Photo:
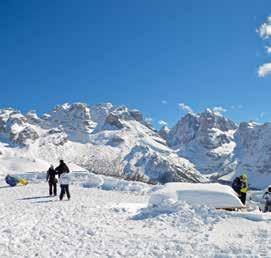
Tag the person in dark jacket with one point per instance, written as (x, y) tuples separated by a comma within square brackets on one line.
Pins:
[(51, 178), (62, 168), (244, 188), (237, 185), (267, 197)]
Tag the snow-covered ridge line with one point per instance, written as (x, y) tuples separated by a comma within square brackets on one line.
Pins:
[(117, 141), (221, 149), (105, 139)]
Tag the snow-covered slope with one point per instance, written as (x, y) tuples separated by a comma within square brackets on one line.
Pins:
[(102, 138)]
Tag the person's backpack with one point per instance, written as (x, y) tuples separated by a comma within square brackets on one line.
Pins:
[(11, 180), (237, 184)]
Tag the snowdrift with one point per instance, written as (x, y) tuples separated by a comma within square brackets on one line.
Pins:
[(90, 180), (114, 184), (93, 181), (213, 195)]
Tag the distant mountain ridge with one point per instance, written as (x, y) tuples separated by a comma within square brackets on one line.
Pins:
[(218, 146), (105, 139), (117, 141)]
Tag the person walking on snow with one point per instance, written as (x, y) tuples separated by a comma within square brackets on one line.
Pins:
[(244, 188), (267, 197), (62, 168), (64, 181), (51, 178)]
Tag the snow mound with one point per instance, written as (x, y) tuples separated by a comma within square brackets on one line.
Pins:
[(111, 184), (124, 185), (93, 181), (212, 195), (181, 214)]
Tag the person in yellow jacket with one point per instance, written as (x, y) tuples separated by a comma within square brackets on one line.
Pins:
[(244, 188)]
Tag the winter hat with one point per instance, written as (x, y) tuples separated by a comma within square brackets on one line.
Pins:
[(244, 176)]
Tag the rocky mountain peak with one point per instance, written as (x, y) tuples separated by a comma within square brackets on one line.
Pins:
[(118, 115), (210, 119), (92, 137), (184, 131), (14, 127), (32, 117), (99, 112), (73, 117), (164, 131)]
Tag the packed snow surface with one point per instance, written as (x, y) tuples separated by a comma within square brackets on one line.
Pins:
[(121, 223)]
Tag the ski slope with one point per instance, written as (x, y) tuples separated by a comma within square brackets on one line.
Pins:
[(119, 223)]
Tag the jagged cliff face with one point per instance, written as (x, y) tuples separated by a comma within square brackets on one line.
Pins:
[(219, 147), (201, 127), (253, 151), (118, 141), (164, 131), (102, 138), (206, 139)]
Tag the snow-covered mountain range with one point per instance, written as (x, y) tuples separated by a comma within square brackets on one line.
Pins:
[(221, 149), (103, 138), (115, 140)]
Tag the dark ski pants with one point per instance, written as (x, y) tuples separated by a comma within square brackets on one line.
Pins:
[(267, 207), (243, 197), (64, 189), (52, 186)]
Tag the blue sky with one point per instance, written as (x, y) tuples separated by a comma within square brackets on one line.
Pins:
[(137, 53)]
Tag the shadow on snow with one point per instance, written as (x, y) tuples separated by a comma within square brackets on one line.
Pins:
[(33, 198)]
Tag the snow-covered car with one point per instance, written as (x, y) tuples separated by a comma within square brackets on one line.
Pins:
[(212, 194)]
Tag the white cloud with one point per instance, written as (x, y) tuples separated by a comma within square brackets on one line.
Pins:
[(164, 102), (265, 33), (264, 70), (186, 108), (219, 110), (268, 50), (265, 29), (162, 122)]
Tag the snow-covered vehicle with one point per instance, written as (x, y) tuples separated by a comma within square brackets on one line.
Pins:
[(213, 195)]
